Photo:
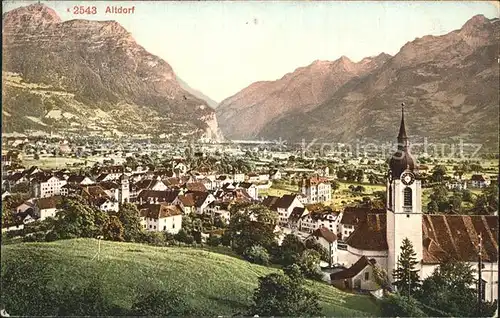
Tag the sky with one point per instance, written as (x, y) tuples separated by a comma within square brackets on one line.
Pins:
[(220, 48)]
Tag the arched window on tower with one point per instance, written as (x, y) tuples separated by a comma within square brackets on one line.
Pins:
[(407, 199)]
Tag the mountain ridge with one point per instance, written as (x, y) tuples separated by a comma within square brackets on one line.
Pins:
[(298, 91), (102, 69), (444, 80)]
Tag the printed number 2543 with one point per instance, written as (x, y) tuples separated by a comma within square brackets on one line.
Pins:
[(84, 10)]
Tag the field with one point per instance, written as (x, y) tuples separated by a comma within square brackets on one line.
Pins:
[(215, 283), (64, 162), (344, 194)]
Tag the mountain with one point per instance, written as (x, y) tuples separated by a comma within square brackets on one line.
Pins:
[(449, 84), (84, 76), (246, 113), (197, 93)]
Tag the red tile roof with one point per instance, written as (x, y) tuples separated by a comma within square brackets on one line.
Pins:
[(48, 203), (196, 186), (325, 233), (158, 211), (312, 181), (353, 215), (370, 233), (457, 236)]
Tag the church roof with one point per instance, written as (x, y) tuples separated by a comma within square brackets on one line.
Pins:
[(443, 236), (457, 236), (370, 234)]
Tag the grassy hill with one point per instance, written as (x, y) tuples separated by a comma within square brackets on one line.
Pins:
[(212, 283)]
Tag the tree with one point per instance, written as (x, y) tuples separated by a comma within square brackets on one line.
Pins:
[(438, 173), (487, 202), (77, 219), (456, 203), (396, 306), (432, 207), (291, 249), (467, 196), (161, 303), (251, 225), (359, 175), (7, 215), (257, 254), (131, 221), (22, 187), (284, 295), (381, 277), (184, 236), (214, 240), (335, 185), (315, 245), (309, 264), (113, 229), (452, 288), (406, 277)]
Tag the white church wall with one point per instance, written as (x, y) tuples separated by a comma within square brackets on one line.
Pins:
[(353, 255)]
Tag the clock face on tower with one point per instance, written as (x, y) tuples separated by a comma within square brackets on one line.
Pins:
[(407, 178)]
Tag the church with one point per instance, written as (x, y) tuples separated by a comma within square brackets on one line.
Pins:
[(378, 236)]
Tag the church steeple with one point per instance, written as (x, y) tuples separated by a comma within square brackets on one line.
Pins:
[(402, 137), (402, 159)]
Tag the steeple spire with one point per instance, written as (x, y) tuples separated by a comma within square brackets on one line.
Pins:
[(402, 138)]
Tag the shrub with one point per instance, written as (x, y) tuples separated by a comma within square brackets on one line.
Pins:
[(257, 254), (184, 237), (396, 305), (161, 303), (214, 240)]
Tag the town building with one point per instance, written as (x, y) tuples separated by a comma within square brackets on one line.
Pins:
[(479, 181), (46, 186), (161, 218), (316, 189)]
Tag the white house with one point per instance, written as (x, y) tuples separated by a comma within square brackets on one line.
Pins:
[(107, 204), (456, 184), (186, 203), (328, 240), (161, 217), (275, 174), (151, 184), (46, 207), (80, 180), (220, 210), (202, 200), (358, 276), (283, 206), (251, 189), (253, 177), (263, 177), (239, 177), (316, 189), (47, 186), (479, 181), (315, 220)]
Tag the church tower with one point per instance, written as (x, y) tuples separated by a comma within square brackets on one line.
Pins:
[(124, 189), (404, 201)]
